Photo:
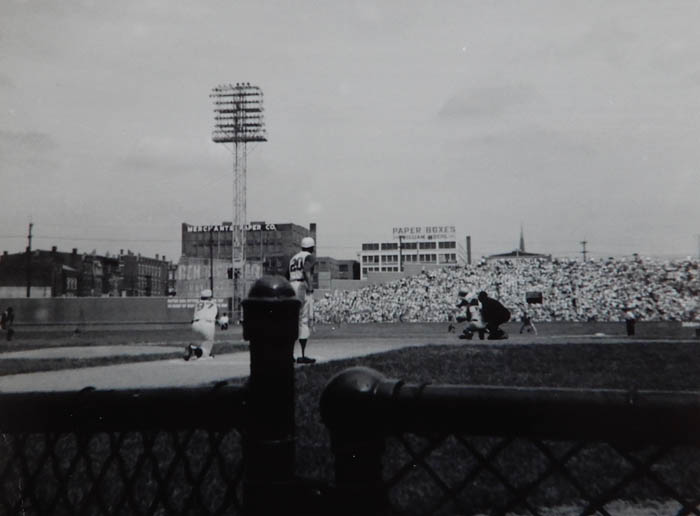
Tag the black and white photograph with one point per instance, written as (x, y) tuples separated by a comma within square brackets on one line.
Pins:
[(350, 258)]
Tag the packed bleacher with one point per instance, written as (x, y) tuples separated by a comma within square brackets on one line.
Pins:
[(573, 290)]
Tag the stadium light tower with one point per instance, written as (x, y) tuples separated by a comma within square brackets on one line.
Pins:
[(238, 120)]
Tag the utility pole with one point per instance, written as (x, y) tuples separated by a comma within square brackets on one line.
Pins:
[(29, 261), (262, 258), (469, 250), (401, 237), (583, 252), (211, 260)]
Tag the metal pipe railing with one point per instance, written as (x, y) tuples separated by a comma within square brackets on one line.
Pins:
[(359, 394), (92, 411), (361, 408)]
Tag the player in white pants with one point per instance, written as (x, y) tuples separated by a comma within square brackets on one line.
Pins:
[(301, 276), (204, 325), (475, 322)]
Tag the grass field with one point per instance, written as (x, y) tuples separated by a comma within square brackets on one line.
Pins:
[(231, 340)]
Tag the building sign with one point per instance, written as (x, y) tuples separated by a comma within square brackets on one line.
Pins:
[(253, 226), (260, 226), (425, 232), (191, 302)]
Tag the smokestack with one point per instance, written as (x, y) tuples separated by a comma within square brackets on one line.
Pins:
[(312, 230)]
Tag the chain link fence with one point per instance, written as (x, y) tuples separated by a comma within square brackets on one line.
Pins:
[(167, 472), (459, 474), (419, 449), (163, 451)]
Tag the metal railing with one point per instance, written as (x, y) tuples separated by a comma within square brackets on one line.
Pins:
[(459, 449)]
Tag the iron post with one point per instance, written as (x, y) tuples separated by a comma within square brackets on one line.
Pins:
[(351, 408), (270, 324)]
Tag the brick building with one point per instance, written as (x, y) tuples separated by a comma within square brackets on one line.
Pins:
[(144, 276), (270, 244), (60, 274), (48, 273)]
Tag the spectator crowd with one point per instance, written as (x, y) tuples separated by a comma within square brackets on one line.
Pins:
[(572, 290)]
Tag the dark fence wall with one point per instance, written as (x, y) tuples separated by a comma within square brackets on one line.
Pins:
[(95, 310)]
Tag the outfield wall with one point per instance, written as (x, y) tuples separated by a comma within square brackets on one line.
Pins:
[(77, 311)]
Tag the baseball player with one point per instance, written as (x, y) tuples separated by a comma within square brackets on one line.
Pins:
[(494, 314), (473, 315), (203, 324), (223, 322), (301, 276), (6, 321), (527, 323)]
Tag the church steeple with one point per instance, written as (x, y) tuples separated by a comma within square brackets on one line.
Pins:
[(522, 240)]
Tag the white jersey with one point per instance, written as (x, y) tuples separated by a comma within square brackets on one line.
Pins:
[(475, 312), (204, 319), (475, 317), (296, 266)]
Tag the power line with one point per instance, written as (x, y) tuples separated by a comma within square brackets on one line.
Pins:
[(106, 239), (113, 226)]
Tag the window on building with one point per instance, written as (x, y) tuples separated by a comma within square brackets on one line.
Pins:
[(387, 246), (370, 247), (428, 245)]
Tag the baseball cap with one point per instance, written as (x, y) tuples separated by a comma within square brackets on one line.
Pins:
[(206, 293), (307, 242)]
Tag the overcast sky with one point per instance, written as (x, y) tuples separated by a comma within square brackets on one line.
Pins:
[(573, 119)]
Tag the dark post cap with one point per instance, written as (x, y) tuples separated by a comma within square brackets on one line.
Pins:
[(271, 310), (352, 397), (273, 287)]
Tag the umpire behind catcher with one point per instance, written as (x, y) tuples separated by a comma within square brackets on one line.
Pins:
[(494, 314)]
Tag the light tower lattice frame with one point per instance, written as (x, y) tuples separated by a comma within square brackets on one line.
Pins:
[(238, 120)]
